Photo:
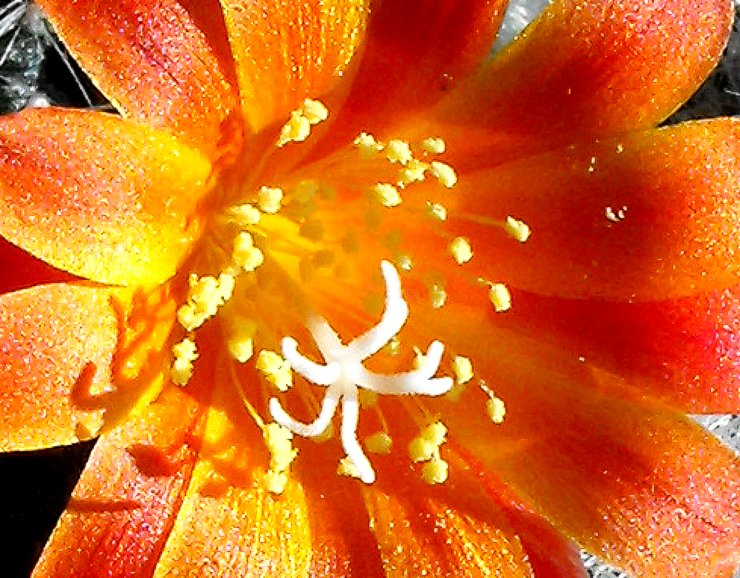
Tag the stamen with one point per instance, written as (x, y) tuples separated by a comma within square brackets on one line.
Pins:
[(433, 145), (519, 230), (462, 367), (387, 194), (185, 354), (398, 151), (445, 174), (298, 128), (461, 250), (270, 199), (343, 373), (275, 369), (500, 297)]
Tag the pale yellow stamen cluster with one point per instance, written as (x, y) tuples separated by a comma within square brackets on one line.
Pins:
[(270, 199), (462, 367), (500, 297), (279, 442), (425, 448), (387, 194), (496, 409), (205, 296), (517, 229), (461, 250), (444, 173), (241, 339), (438, 296), (276, 370), (298, 128), (245, 254), (185, 354)]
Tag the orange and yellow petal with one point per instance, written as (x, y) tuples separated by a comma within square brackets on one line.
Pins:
[(162, 63), (286, 51), (125, 502), (644, 487), (415, 53), (52, 339), (98, 196), (646, 216), (589, 68), (683, 352)]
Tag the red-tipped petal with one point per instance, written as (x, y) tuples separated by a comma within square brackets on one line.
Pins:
[(644, 487), (286, 51), (648, 216), (590, 68), (126, 501), (100, 197), (164, 63), (683, 352)]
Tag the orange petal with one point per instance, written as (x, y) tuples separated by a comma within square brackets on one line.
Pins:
[(51, 338), (286, 51), (590, 68), (644, 487), (415, 51), (76, 360), (648, 216), (124, 504), (164, 63), (683, 352), (98, 196)]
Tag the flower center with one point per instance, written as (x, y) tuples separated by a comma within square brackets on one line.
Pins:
[(264, 252)]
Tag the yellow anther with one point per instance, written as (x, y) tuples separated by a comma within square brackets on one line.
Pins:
[(421, 449), (461, 250), (500, 297), (205, 296), (437, 211), (245, 254), (185, 354), (275, 369), (413, 172), (244, 215), (462, 367), (435, 471), (240, 340), (347, 468), (296, 129), (379, 443), (438, 296), (315, 111), (270, 199), (405, 262), (367, 144), (496, 409), (387, 194), (433, 145), (393, 347), (444, 173), (517, 229), (435, 433), (398, 151), (279, 442)]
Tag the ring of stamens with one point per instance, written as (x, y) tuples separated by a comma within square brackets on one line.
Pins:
[(344, 373)]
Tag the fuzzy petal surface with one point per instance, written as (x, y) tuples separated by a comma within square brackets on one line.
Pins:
[(52, 337), (162, 63), (125, 502), (97, 196), (589, 68), (646, 216), (646, 488), (286, 51)]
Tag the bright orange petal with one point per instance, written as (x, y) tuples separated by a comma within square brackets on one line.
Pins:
[(415, 52), (648, 216), (164, 63), (98, 196), (51, 338), (590, 68), (286, 51), (124, 504), (644, 487)]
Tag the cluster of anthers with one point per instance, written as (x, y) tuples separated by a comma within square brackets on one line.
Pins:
[(342, 373)]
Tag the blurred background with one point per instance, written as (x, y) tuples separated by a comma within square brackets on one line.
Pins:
[(36, 71)]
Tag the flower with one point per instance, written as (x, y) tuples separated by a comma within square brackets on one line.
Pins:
[(571, 268)]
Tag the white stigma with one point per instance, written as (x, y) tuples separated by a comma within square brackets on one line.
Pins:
[(343, 373)]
